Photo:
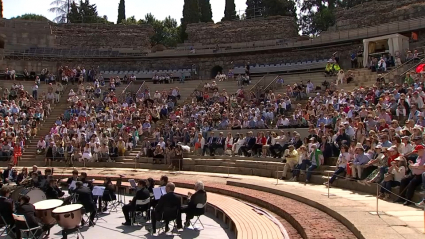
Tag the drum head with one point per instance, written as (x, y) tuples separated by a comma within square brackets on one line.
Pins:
[(36, 195), (48, 204), (67, 208)]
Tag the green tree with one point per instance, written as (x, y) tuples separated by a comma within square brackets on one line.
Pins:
[(121, 11), (318, 15), (205, 11), (1, 8), (230, 11), (31, 16), (254, 8), (191, 14), (84, 13), (279, 8), (61, 9)]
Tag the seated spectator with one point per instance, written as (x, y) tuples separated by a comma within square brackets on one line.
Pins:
[(393, 178)]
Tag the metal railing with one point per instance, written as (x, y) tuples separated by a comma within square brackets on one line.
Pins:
[(271, 84), (141, 86)]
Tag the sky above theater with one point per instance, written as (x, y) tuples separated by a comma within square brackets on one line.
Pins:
[(139, 8)]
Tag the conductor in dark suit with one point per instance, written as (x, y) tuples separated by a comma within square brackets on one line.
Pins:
[(199, 197), (209, 144), (168, 207), (85, 198), (6, 206), (142, 194)]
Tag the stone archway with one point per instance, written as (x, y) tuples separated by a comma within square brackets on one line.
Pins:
[(215, 70)]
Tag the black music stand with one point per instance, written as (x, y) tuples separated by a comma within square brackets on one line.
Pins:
[(120, 197)]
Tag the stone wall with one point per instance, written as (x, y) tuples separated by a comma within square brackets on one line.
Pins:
[(103, 36), (377, 12), (271, 28), (23, 34)]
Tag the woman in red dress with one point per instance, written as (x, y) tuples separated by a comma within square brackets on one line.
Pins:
[(17, 151)]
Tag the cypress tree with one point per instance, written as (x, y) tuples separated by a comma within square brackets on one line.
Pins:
[(205, 11), (1, 8), (191, 14), (121, 11), (230, 11), (254, 8)]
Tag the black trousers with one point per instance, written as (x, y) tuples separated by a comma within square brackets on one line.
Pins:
[(156, 216), (127, 209), (408, 186)]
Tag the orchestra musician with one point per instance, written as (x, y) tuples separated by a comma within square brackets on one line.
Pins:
[(22, 175), (35, 170), (35, 180), (199, 197), (108, 195), (53, 191), (6, 206), (75, 178), (141, 194), (84, 180), (85, 198), (151, 185), (28, 210), (163, 181), (165, 208)]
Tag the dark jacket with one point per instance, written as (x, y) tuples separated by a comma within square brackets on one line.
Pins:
[(53, 192), (198, 197), (213, 140), (28, 210), (142, 194), (6, 210), (168, 205), (85, 197)]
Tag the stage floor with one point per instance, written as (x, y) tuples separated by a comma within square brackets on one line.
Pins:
[(111, 228)]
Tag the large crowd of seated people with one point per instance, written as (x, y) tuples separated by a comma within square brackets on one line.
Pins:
[(21, 112), (373, 131)]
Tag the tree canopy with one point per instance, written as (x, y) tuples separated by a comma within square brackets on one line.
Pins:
[(230, 11), (205, 11), (1, 8), (84, 13), (318, 15), (166, 31), (31, 16), (191, 14), (121, 11), (266, 8), (61, 9)]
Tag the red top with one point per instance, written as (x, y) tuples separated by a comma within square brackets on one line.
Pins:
[(261, 140)]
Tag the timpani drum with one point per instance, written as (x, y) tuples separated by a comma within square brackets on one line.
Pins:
[(12, 186), (35, 194), (69, 216), (43, 210)]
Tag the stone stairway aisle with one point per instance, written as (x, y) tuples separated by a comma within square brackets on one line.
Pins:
[(30, 153)]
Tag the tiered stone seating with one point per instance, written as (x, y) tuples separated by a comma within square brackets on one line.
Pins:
[(148, 74), (299, 66)]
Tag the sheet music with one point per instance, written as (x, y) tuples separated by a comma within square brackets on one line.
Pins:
[(98, 190), (163, 192), (72, 186), (157, 193), (132, 183), (85, 184)]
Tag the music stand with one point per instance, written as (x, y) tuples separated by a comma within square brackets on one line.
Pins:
[(120, 197)]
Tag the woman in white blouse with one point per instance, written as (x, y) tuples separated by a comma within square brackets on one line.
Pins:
[(341, 163), (236, 146)]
